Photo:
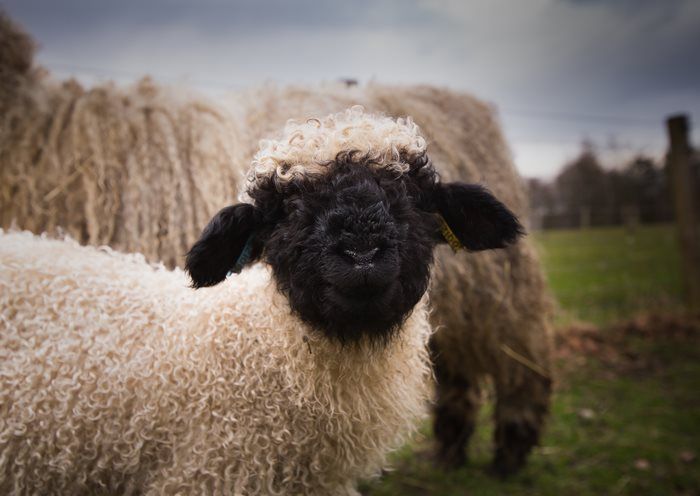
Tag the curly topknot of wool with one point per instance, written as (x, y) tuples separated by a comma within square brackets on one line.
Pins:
[(308, 148)]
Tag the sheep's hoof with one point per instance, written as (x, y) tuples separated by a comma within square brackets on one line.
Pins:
[(450, 457), (504, 466), (515, 441)]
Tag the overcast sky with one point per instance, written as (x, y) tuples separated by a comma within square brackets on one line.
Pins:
[(560, 71)]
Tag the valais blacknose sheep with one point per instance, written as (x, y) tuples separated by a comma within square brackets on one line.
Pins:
[(297, 376)]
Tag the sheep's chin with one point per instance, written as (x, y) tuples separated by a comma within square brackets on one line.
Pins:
[(351, 316), (363, 294), (374, 299)]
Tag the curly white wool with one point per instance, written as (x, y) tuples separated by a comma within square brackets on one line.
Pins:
[(115, 378), (307, 148)]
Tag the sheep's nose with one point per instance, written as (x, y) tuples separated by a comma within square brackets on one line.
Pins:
[(361, 257)]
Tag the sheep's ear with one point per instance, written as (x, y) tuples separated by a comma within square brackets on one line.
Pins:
[(475, 217), (226, 244)]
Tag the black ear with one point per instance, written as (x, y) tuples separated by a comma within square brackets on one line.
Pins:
[(226, 243), (476, 217)]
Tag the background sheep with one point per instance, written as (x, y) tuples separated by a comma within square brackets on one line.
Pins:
[(116, 378), (491, 308)]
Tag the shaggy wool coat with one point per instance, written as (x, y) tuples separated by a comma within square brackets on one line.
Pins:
[(116, 377)]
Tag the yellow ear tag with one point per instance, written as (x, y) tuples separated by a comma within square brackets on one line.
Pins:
[(449, 236)]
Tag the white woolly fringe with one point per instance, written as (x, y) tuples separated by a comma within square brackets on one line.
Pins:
[(306, 148)]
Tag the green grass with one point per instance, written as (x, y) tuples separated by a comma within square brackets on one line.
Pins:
[(653, 417), (602, 275), (644, 421)]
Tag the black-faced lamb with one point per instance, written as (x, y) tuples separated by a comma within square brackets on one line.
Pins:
[(295, 377)]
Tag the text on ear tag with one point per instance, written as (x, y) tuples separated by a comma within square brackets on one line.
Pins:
[(449, 236)]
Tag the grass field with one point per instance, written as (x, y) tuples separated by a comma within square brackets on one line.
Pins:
[(605, 274), (625, 417)]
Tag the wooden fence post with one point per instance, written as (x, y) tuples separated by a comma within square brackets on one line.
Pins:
[(686, 198)]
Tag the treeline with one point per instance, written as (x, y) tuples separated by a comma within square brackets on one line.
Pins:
[(586, 194)]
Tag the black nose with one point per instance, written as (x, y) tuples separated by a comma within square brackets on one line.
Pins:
[(361, 258)]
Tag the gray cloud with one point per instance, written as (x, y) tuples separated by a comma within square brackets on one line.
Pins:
[(214, 15), (547, 63)]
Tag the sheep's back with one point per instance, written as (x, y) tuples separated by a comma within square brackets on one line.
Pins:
[(115, 376), (86, 339)]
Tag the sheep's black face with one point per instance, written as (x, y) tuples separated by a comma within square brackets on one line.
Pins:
[(352, 252), (352, 249)]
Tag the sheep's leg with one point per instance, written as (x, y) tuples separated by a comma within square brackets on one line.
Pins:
[(455, 415), (521, 410)]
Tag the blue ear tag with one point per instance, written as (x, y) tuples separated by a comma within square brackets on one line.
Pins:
[(243, 258)]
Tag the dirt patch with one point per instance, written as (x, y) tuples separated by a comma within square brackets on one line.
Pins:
[(620, 347)]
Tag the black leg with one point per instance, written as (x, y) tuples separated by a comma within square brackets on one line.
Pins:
[(520, 415), (454, 415)]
